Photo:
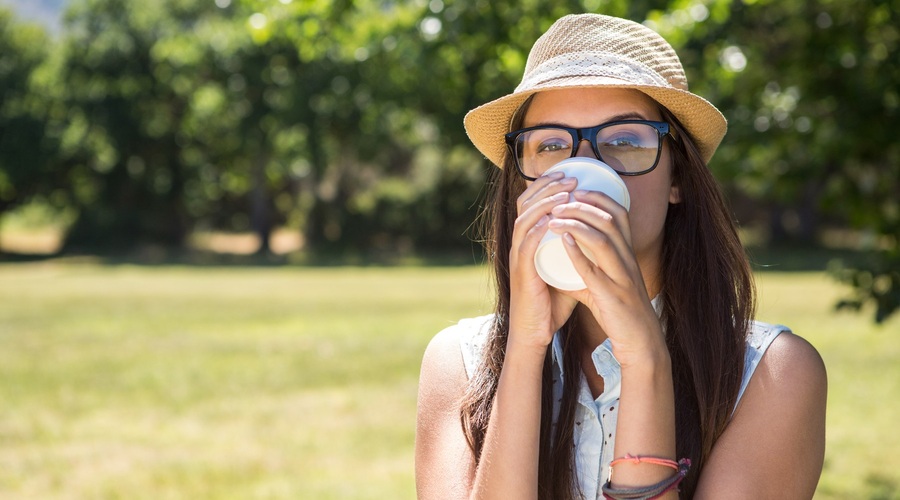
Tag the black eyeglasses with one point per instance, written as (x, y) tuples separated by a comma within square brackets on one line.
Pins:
[(630, 147)]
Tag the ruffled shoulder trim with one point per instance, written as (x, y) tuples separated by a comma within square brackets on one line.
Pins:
[(473, 334), (758, 341)]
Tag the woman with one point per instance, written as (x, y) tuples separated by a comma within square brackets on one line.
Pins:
[(653, 380)]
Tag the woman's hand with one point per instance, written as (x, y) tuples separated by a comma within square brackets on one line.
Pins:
[(616, 294), (536, 309)]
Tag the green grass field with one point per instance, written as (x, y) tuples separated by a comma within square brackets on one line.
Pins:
[(203, 382)]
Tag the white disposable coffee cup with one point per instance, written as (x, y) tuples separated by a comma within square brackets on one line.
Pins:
[(551, 260)]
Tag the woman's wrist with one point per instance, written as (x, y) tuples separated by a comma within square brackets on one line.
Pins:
[(527, 334), (525, 350), (648, 362), (646, 352)]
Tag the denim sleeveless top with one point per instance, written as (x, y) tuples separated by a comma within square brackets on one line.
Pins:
[(595, 419)]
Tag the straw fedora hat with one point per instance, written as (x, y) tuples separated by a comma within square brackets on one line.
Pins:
[(592, 50)]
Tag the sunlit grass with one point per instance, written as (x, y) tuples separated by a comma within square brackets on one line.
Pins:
[(216, 383), (178, 382), (863, 363)]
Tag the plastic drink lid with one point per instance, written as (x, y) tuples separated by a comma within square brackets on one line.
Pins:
[(594, 175)]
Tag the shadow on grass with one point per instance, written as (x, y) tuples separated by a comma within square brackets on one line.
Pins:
[(882, 488), (762, 259), (161, 256), (801, 259)]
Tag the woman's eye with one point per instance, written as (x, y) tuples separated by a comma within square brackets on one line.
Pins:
[(633, 142), (552, 146)]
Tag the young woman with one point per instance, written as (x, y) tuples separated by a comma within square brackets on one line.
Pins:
[(654, 381)]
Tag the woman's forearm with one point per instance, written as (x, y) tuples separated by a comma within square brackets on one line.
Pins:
[(508, 467), (646, 422)]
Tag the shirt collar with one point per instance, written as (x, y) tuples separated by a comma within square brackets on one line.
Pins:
[(604, 360)]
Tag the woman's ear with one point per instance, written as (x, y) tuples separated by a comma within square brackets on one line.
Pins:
[(674, 195)]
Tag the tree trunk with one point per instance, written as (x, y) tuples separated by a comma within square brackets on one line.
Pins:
[(316, 219), (260, 216)]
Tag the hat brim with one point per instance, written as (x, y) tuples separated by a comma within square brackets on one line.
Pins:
[(487, 124)]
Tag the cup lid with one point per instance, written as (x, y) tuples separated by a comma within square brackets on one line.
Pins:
[(594, 175)]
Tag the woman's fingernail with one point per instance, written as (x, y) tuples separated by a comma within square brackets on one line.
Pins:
[(558, 209), (581, 192), (556, 175), (569, 239), (560, 196), (543, 220), (570, 180)]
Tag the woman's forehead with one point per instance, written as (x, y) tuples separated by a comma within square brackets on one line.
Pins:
[(584, 107)]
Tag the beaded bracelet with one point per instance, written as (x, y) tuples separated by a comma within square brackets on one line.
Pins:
[(652, 491)]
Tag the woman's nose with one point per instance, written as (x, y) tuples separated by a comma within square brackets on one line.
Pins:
[(585, 150)]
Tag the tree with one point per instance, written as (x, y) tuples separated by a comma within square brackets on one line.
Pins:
[(344, 119), (25, 154), (809, 89), (122, 147)]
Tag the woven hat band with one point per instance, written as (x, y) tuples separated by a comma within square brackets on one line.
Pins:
[(606, 65)]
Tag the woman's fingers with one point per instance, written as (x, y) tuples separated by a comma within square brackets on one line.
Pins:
[(594, 276), (544, 187), (608, 205), (610, 254), (526, 221), (533, 310), (536, 202), (526, 241), (590, 219), (601, 226)]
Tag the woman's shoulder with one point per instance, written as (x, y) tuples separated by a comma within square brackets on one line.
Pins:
[(466, 338), (775, 346), (781, 355), (446, 367), (778, 425), (445, 466), (789, 356), (458, 348)]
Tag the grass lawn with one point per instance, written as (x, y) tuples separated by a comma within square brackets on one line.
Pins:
[(203, 382)]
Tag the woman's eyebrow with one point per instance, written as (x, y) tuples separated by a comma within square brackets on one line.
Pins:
[(629, 115)]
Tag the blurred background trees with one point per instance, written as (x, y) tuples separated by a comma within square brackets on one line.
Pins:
[(342, 120), (25, 156)]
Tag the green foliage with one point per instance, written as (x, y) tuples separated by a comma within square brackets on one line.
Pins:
[(343, 120), (807, 106), (808, 89), (875, 282), (122, 139), (25, 169)]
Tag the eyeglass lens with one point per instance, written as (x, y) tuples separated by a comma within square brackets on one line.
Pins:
[(626, 147)]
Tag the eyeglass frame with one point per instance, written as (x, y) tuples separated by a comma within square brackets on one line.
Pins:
[(589, 134)]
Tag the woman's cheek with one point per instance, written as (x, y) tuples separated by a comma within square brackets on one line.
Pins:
[(647, 216)]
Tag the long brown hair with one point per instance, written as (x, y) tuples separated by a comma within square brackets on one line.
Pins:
[(708, 301)]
